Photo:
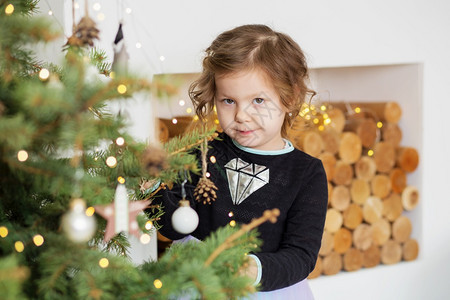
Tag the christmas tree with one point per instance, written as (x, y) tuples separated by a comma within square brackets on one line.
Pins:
[(64, 160)]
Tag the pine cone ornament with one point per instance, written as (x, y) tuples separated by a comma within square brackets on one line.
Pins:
[(154, 160), (205, 191), (84, 33)]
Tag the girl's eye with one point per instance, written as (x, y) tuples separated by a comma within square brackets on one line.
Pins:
[(228, 101), (258, 101)]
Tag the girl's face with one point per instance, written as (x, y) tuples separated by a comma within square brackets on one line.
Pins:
[(249, 109)]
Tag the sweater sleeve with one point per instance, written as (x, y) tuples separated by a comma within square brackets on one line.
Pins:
[(300, 244)]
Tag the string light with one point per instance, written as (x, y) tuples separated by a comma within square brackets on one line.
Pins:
[(357, 110), (208, 174), (174, 121), (195, 118), (44, 74), (111, 161), (157, 283), (103, 262), (316, 121), (321, 128), (9, 9), (38, 240), (112, 74), (138, 45), (22, 155), (148, 225), (76, 5), (101, 17), (188, 110), (121, 180), (370, 152), (90, 211), (379, 124), (19, 246), (3, 231), (326, 121), (232, 223), (181, 102), (216, 122), (122, 88), (128, 10), (230, 214), (120, 141), (323, 108), (145, 238), (50, 13), (96, 6), (213, 159), (162, 58)]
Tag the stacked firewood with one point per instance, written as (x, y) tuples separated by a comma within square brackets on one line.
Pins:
[(367, 167)]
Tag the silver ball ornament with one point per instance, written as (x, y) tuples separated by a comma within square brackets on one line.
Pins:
[(184, 219), (77, 226)]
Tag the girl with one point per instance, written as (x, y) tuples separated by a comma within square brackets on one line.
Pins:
[(256, 79)]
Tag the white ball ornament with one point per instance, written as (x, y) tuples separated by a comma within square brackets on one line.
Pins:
[(77, 226), (184, 219)]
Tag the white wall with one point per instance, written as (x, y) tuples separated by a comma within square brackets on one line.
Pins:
[(334, 34)]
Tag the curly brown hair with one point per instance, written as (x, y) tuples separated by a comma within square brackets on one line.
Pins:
[(254, 46)]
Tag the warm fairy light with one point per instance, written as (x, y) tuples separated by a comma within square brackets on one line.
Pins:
[(90, 211), (50, 13), (103, 262), (148, 225), (122, 88), (174, 121), (325, 116), (327, 121), (316, 121), (357, 110), (232, 223), (19, 246), (370, 152), (121, 180), (312, 107), (379, 124), (230, 214), (38, 240), (195, 118), (76, 5), (3, 231), (120, 141), (138, 45), (215, 109), (145, 238), (216, 122), (128, 10), (101, 16), (162, 58), (22, 155), (323, 108), (321, 128), (181, 102), (111, 161), (112, 74), (308, 117), (96, 6), (213, 159), (157, 283), (188, 110), (44, 74), (208, 174), (9, 9)]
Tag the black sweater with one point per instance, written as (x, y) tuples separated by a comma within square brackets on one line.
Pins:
[(293, 182)]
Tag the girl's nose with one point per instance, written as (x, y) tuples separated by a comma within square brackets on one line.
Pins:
[(242, 114)]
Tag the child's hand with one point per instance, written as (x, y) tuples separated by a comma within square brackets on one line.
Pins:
[(250, 269)]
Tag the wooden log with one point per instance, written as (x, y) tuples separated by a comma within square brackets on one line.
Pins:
[(371, 257), (391, 252), (312, 143), (332, 263), (401, 229), (365, 168), (392, 207), (381, 232), (337, 118), (383, 111), (372, 209), (329, 164), (340, 198), (410, 250), (384, 156), (333, 220), (331, 139), (391, 134), (363, 236), (353, 260), (353, 216), (343, 173), (398, 180), (317, 269), (410, 197), (381, 185), (359, 191), (350, 147), (366, 129), (407, 159), (327, 243), (342, 240)]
